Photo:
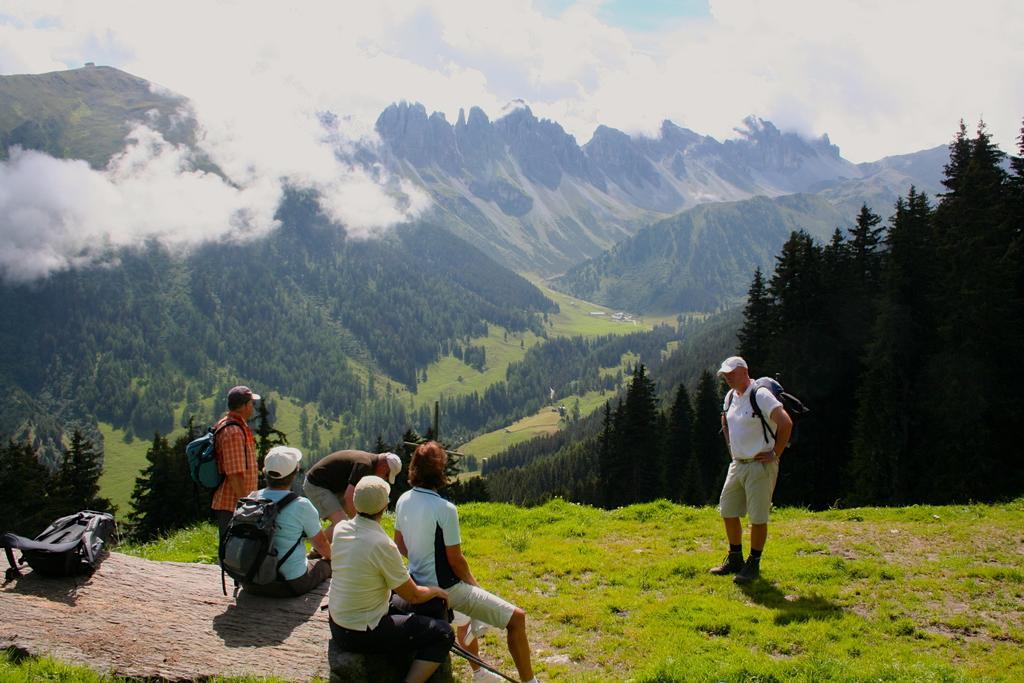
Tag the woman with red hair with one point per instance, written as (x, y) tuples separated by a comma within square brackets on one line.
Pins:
[(427, 532)]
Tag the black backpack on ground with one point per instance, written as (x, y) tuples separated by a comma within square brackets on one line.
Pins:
[(247, 552), (70, 546), (793, 406)]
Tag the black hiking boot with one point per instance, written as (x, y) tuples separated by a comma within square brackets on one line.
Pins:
[(733, 563), (751, 570)]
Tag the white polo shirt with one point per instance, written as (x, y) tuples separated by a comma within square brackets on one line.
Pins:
[(365, 567), (429, 524), (746, 434)]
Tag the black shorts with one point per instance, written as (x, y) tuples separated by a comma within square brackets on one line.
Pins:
[(425, 637)]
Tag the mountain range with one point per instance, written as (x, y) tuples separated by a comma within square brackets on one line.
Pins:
[(671, 223), (522, 188), (518, 187)]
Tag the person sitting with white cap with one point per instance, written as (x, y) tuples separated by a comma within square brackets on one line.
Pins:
[(367, 567), (295, 520)]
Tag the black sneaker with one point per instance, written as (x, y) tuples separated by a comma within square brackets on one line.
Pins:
[(733, 563), (751, 570)]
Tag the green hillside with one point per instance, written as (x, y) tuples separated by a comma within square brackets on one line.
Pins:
[(124, 454), (700, 259), (84, 113), (868, 594)]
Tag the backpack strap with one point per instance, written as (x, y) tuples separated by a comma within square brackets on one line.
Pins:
[(765, 429), (280, 506), (228, 423)]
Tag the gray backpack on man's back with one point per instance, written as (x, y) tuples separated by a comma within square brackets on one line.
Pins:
[(247, 553)]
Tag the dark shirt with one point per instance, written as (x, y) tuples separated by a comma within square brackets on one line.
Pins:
[(336, 471)]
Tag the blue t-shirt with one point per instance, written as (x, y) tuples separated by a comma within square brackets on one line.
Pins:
[(298, 516), (428, 523)]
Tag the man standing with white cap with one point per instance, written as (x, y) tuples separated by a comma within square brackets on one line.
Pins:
[(296, 519), (331, 481), (235, 449), (754, 468)]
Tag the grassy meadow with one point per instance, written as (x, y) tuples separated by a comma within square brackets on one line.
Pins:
[(544, 421), (574, 317), (869, 594)]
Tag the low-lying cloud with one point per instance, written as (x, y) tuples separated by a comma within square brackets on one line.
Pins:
[(61, 213)]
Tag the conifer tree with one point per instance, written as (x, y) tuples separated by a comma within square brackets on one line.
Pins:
[(755, 335), (640, 439), (605, 462), (979, 325), (708, 442), (164, 497), (266, 436), (304, 428), (683, 481), (886, 446), (811, 360), (25, 506), (865, 239), (616, 469), (77, 481)]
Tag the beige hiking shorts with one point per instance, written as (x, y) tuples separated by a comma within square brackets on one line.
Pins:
[(325, 501), (748, 490), (478, 604)]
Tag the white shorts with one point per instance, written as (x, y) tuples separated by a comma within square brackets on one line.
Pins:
[(748, 490), (477, 603)]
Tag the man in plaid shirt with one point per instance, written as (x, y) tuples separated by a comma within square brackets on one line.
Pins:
[(236, 455)]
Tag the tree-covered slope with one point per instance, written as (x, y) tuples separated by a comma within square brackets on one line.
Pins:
[(126, 341), (700, 259)]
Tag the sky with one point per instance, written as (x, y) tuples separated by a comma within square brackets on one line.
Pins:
[(881, 77)]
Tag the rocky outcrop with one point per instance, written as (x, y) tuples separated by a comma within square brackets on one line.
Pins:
[(164, 620)]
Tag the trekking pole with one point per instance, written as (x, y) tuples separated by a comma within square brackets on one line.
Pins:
[(469, 656)]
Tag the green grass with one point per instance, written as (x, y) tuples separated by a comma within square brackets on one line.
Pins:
[(574, 317), (451, 377), (16, 667), (122, 462), (869, 594), (545, 421), (195, 544)]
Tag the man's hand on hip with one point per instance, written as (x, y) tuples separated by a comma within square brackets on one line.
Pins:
[(766, 457)]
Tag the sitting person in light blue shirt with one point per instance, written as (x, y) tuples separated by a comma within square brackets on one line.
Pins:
[(297, 520)]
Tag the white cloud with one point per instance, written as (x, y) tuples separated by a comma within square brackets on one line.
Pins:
[(880, 77), (58, 213)]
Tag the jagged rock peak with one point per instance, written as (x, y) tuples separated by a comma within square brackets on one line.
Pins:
[(477, 117), (516, 108), (603, 132), (758, 131)]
